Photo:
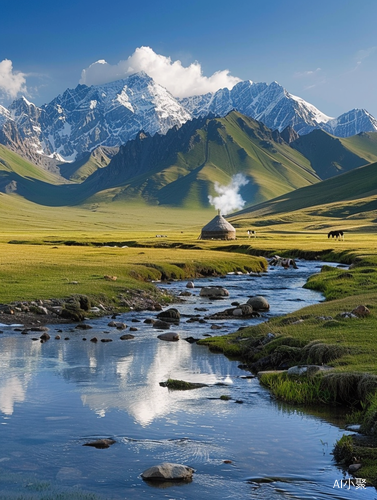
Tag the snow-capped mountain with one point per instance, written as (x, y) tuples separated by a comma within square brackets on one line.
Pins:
[(278, 109), (84, 118), (351, 123), (81, 119)]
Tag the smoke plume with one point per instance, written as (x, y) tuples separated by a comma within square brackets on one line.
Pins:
[(229, 198)]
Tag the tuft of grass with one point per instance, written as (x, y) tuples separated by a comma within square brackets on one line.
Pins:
[(297, 390)]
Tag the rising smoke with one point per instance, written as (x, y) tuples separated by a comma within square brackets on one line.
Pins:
[(229, 198)]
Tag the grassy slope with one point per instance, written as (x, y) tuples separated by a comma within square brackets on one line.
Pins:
[(349, 199), (330, 156), (363, 145), (225, 147), (13, 166), (80, 170)]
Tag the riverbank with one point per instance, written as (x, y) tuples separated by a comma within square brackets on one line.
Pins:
[(338, 333), (109, 275)]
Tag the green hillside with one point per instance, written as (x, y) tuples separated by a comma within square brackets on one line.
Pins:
[(11, 163), (348, 197), (80, 170), (180, 168), (363, 145), (330, 156)]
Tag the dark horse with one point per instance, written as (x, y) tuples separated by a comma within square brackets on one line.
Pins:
[(336, 234)]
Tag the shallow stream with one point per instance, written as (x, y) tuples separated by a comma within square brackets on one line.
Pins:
[(58, 395)]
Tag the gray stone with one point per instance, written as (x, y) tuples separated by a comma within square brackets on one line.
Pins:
[(168, 472), (299, 371), (258, 303), (354, 468), (101, 443), (169, 336), (171, 315), (127, 336), (164, 325), (214, 291)]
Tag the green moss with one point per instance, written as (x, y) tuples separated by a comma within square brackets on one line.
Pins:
[(181, 385)]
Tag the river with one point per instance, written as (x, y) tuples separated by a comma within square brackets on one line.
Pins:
[(58, 395)]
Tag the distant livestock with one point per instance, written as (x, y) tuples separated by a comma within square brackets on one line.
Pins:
[(252, 233), (336, 234)]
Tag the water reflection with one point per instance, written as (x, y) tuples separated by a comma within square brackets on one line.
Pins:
[(12, 390), (56, 396)]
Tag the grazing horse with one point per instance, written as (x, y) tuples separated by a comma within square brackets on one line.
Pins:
[(336, 234)]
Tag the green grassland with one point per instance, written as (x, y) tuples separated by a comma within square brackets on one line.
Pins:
[(57, 252), (53, 251)]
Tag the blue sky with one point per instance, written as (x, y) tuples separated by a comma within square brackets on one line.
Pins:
[(322, 51)]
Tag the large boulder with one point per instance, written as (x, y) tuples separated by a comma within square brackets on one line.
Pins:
[(171, 315), (214, 292), (168, 472), (258, 303)]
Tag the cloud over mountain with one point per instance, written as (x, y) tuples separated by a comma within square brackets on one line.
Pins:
[(181, 81), (11, 82)]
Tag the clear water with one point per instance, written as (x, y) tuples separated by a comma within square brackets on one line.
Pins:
[(56, 396)]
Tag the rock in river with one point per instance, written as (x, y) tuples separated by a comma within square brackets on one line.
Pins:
[(169, 336), (171, 315), (101, 443), (259, 303), (214, 292), (168, 472)]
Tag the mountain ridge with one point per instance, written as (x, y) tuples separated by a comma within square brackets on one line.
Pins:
[(79, 120)]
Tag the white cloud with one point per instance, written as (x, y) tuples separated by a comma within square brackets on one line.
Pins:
[(365, 53), (304, 74), (11, 82), (181, 81)]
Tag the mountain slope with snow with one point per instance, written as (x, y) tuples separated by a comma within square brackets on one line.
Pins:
[(82, 119), (278, 109)]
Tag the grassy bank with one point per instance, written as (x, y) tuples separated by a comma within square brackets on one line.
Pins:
[(332, 335), (29, 272), (74, 248)]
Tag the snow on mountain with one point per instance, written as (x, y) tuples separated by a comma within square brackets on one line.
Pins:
[(351, 123), (81, 119), (4, 115), (270, 104), (84, 118)]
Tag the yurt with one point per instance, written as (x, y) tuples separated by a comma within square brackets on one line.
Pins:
[(218, 229)]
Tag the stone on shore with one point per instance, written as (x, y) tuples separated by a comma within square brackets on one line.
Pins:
[(361, 311)]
